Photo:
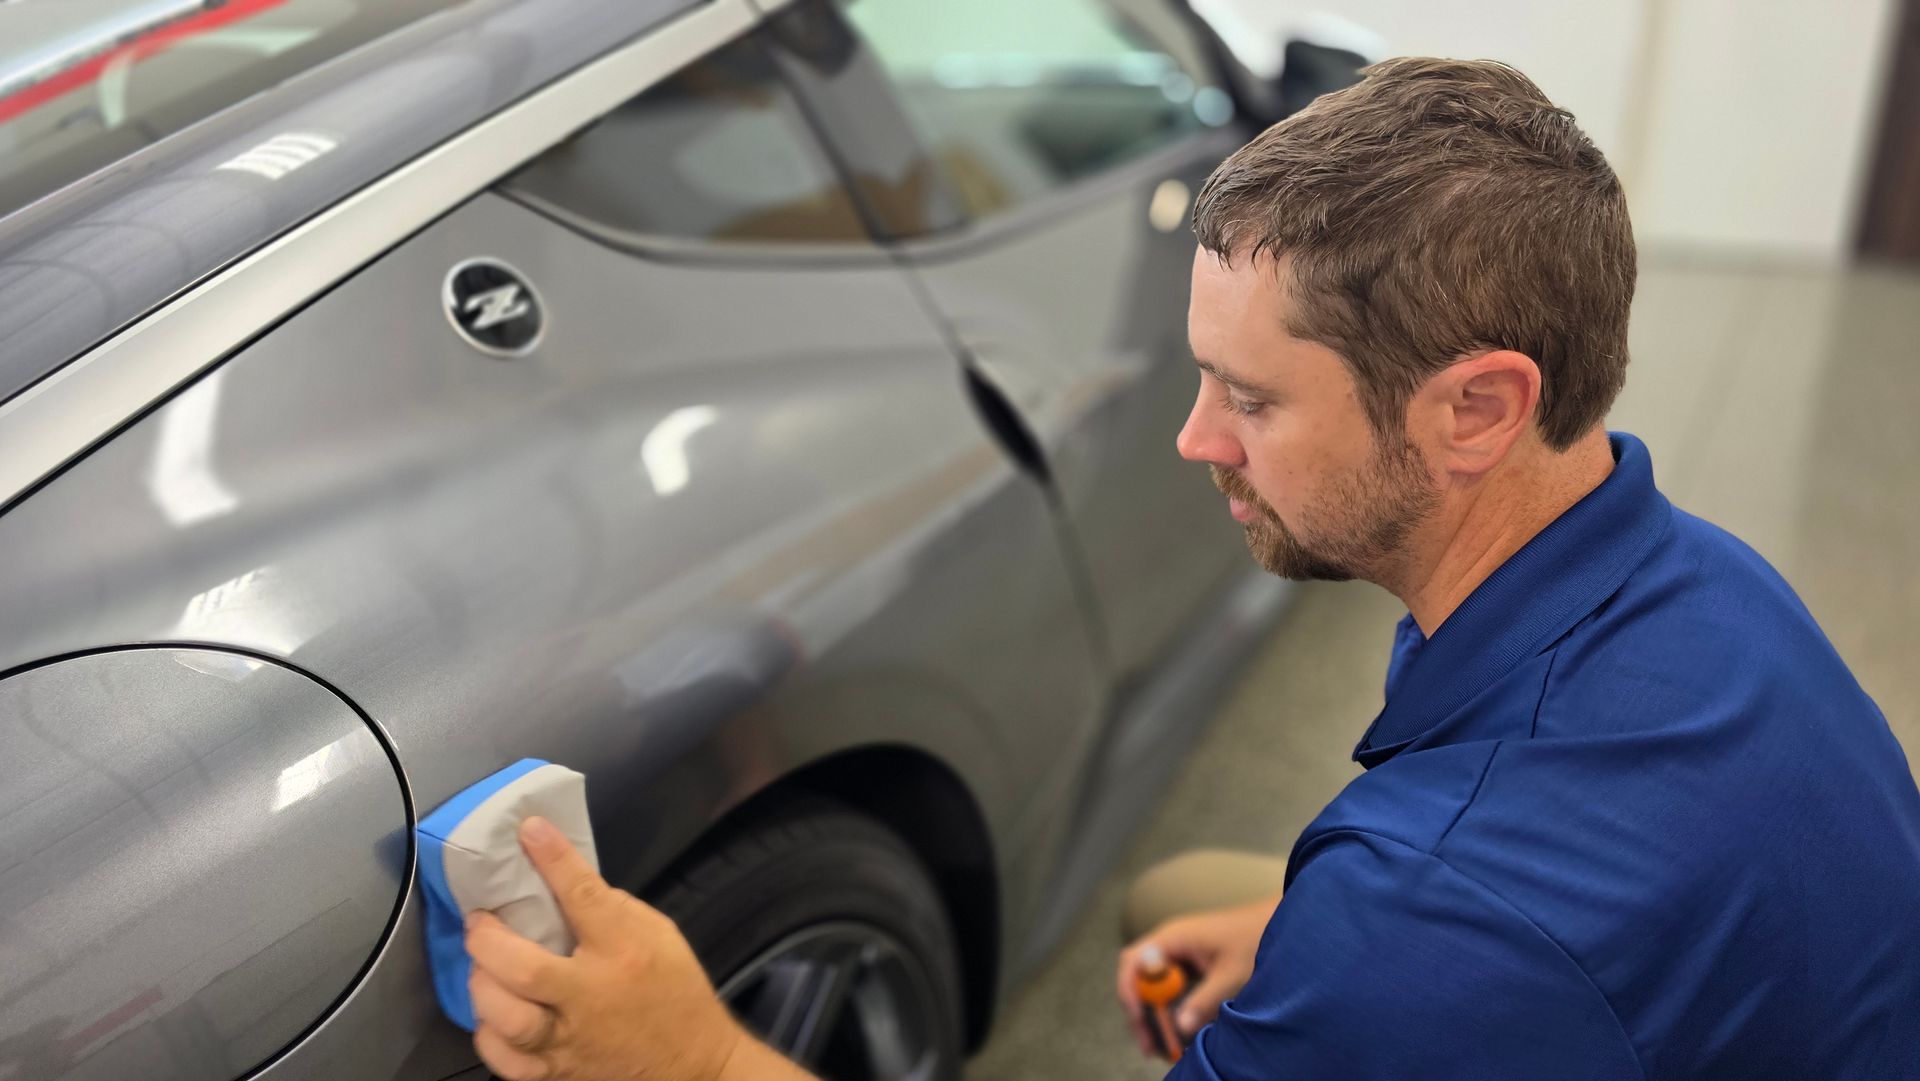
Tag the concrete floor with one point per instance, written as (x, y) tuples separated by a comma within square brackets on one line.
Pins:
[(1782, 403)]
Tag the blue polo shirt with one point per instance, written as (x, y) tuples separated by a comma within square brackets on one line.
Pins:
[(1626, 815)]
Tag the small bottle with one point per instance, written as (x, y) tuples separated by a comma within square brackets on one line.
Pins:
[(1160, 986)]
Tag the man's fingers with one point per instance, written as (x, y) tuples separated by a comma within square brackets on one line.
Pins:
[(1187, 940), (585, 898), (1130, 1000), (1202, 1004), (521, 1022), (1123, 979), (1142, 1038), (521, 966), (508, 1062)]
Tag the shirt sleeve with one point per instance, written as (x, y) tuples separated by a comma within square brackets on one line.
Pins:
[(1384, 964)]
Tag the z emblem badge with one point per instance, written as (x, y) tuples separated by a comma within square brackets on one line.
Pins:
[(494, 308)]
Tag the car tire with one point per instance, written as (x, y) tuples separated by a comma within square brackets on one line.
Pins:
[(824, 932)]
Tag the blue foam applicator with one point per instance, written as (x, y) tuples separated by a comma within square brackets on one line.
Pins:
[(470, 860)]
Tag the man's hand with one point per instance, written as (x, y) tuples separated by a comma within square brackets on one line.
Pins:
[(1219, 945), (631, 1004)]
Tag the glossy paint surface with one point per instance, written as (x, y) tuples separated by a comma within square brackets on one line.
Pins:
[(199, 853), (91, 257), (721, 522)]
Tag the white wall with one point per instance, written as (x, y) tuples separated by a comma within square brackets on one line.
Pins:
[(1577, 52), (1737, 125), (1766, 113)]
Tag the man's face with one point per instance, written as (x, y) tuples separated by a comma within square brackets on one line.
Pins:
[(1280, 422)]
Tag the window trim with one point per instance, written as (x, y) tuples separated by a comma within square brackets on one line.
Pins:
[(666, 248), (979, 234)]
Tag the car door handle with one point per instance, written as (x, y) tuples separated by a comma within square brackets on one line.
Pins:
[(1009, 428)]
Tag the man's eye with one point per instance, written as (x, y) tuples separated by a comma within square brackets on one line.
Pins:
[(1241, 405)]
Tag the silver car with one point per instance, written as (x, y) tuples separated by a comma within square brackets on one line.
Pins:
[(764, 408)]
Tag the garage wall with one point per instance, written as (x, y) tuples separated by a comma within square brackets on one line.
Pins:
[(1766, 112), (1743, 126)]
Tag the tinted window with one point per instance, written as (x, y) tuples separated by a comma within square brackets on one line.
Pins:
[(84, 84), (1018, 97), (718, 152)]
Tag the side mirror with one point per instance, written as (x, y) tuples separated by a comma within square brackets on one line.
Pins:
[(1273, 69), (1311, 70)]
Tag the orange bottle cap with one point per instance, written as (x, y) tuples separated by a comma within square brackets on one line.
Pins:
[(1157, 982)]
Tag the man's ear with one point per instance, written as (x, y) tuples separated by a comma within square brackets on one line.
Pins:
[(1483, 405)]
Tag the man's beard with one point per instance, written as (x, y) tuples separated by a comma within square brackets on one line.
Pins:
[(1352, 529)]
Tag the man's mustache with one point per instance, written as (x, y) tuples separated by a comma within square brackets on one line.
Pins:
[(1234, 486)]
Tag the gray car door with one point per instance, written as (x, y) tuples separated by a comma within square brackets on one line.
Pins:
[(1067, 140)]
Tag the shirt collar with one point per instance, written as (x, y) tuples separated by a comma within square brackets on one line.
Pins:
[(1553, 582)]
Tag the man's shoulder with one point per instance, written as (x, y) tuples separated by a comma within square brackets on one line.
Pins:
[(1411, 802), (1704, 626), (1722, 563)]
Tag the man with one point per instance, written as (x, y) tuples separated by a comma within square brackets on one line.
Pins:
[(1626, 814)]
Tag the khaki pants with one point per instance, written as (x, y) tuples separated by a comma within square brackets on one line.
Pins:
[(1198, 881)]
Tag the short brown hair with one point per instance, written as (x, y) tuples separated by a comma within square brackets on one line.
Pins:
[(1434, 209)]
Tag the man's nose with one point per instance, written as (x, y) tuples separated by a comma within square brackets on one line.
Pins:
[(1204, 439)]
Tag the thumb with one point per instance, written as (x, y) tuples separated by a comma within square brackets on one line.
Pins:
[(585, 898)]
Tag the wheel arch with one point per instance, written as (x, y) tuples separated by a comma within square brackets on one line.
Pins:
[(926, 803)]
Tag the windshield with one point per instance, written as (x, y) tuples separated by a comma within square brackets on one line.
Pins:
[(84, 83)]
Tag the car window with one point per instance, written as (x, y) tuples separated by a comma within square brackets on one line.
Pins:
[(83, 85), (888, 166), (1017, 98), (718, 152)]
